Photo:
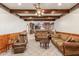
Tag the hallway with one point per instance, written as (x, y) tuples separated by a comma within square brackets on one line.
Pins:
[(33, 49)]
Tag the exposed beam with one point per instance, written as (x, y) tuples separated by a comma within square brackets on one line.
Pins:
[(22, 11), (4, 7), (74, 7), (45, 11), (57, 11), (41, 19), (33, 17)]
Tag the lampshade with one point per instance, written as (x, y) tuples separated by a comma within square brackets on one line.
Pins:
[(10, 23)]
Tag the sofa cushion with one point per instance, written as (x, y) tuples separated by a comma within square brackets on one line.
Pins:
[(57, 41), (60, 43), (57, 36), (75, 39), (69, 39), (64, 37)]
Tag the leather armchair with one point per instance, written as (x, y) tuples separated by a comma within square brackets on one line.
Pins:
[(19, 46)]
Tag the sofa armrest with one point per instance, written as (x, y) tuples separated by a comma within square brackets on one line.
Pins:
[(71, 48), (71, 44)]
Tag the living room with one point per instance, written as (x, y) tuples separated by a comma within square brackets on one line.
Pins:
[(39, 29)]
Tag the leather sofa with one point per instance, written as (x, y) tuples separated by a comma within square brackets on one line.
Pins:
[(67, 44)]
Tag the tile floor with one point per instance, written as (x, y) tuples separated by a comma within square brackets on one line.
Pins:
[(34, 49)]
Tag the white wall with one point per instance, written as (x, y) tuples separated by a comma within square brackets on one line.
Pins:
[(10, 23), (68, 23)]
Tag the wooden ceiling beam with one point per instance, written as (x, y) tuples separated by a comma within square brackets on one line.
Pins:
[(22, 11), (4, 7), (32, 11), (57, 11), (48, 17), (74, 7), (39, 19)]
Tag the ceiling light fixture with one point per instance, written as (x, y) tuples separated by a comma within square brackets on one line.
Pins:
[(19, 4), (26, 12), (52, 12), (49, 17), (59, 4), (39, 11), (30, 17), (43, 10)]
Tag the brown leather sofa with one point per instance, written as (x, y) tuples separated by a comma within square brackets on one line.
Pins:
[(67, 44)]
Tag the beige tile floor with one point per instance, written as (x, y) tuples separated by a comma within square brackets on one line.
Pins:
[(34, 49)]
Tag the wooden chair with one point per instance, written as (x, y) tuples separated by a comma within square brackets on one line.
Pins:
[(44, 43), (41, 34)]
